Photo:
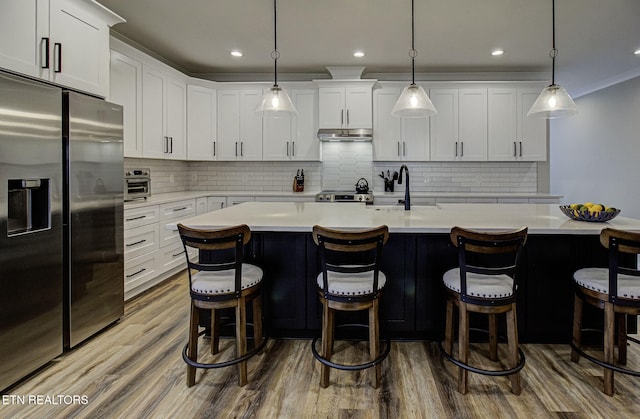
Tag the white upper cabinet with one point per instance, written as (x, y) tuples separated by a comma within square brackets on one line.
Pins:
[(512, 135), (62, 41), (345, 104), (201, 123), (397, 139), (459, 130), (293, 137), (239, 126), (125, 89), (163, 115)]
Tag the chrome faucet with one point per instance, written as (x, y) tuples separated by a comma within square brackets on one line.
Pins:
[(407, 199)]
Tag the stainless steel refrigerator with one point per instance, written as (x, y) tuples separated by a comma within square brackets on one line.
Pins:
[(61, 243)]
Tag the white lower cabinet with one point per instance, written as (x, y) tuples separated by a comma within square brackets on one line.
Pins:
[(153, 253)]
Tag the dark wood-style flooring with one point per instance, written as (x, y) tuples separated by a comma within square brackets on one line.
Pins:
[(134, 369)]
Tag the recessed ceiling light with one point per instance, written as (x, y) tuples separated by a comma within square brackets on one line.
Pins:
[(497, 52), (236, 53), (637, 52), (358, 54)]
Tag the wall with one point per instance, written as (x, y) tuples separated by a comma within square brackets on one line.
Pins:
[(595, 154), (343, 164)]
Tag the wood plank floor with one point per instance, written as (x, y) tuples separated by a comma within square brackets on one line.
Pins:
[(134, 370)]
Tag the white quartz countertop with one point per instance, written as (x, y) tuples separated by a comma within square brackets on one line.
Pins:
[(165, 198), (302, 216)]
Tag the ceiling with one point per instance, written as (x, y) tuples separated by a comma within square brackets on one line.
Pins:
[(596, 39)]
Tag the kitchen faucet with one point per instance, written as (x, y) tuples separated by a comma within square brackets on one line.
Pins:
[(407, 200)]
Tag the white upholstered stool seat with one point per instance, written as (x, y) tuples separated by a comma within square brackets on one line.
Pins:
[(479, 285), (223, 282), (360, 283), (597, 279)]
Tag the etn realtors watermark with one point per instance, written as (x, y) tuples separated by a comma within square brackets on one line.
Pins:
[(44, 399)]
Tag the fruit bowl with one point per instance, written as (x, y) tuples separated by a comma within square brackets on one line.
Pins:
[(597, 216)]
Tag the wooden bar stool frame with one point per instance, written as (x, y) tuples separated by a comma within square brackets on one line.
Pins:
[(469, 241), (362, 241), (616, 308), (234, 238)]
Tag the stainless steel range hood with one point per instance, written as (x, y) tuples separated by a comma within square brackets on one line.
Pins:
[(354, 134)]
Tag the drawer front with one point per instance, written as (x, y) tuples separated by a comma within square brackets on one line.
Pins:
[(140, 270), (168, 237), (172, 257), (140, 240), (136, 217), (177, 210)]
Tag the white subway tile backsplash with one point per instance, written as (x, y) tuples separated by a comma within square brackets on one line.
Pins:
[(343, 164)]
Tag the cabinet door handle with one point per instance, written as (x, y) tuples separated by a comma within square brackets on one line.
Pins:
[(287, 148), (136, 273), (456, 150), (404, 148), (293, 148), (461, 148), (44, 52), (134, 243), (341, 117), (515, 148), (166, 144), (347, 117), (214, 148), (398, 148), (236, 149), (178, 254), (520, 148), (171, 142), (241, 151), (57, 51), (179, 209), (136, 218)]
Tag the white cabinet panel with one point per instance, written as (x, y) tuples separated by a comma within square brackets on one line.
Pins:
[(126, 89), (216, 203), (239, 126), (140, 240), (62, 41), (201, 123), (513, 135), (293, 137), (346, 106), (459, 130), (136, 217), (163, 115), (397, 139)]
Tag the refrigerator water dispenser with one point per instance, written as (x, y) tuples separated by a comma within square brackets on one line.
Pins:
[(29, 208)]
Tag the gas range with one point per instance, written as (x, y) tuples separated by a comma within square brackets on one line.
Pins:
[(345, 196)]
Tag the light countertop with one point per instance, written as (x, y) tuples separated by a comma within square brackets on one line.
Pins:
[(164, 198), (302, 216)]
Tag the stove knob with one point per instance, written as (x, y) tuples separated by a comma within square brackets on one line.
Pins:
[(367, 199), (360, 198)]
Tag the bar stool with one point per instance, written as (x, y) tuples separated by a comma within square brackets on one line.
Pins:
[(485, 282), (227, 282), (350, 280), (616, 290)]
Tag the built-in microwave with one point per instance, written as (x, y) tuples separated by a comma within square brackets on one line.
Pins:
[(137, 184)]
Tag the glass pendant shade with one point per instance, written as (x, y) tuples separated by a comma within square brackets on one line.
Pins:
[(553, 102), (276, 102), (413, 103)]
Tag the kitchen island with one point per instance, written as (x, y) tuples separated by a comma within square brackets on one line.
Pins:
[(417, 254)]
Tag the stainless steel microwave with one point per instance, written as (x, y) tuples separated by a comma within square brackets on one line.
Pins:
[(137, 184)]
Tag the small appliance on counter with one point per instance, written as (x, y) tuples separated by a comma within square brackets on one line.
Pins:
[(137, 184), (298, 181)]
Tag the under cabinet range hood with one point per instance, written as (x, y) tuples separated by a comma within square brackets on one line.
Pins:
[(352, 134)]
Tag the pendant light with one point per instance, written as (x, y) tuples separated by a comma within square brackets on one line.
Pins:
[(275, 101), (553, 101), (413, 102)]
